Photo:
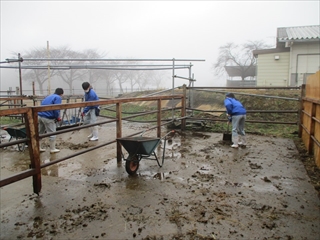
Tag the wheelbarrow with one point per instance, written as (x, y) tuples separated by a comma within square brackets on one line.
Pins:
[(17, 133), (141, 147)]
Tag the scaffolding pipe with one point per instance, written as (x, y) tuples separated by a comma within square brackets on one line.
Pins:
[(89, 67), (189, 78), (173, 74), (116, 60), (255, 95), (49, 79)]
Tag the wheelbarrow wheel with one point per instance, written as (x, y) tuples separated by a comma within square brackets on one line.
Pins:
[(21, 146), (132, 164)]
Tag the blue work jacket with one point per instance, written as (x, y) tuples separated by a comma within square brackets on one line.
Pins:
[(90, 96), (234, 107), (51, 99)]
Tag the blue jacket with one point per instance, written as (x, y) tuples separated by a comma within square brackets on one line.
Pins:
[(234, 107), (90, 96), (51, 99)]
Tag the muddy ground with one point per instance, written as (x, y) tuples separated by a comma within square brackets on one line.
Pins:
[(205, 190)]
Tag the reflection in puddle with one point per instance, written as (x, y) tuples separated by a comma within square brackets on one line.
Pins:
[(64, 170), (133, 182), (76, 169)]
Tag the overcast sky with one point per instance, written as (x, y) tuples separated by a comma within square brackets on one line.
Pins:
[(148, 29)]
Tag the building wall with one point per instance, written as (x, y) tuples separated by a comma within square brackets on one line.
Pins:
[(305, 61), (272, 72), (239, 83)]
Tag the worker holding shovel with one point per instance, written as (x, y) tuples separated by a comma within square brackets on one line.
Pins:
[(237, 112), (47, 120), (90, 113)]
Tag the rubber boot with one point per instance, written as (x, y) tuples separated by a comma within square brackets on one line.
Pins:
[(242, 141), (41, 146), (235, 142), (91, 133), (53, 147), (95, 134)]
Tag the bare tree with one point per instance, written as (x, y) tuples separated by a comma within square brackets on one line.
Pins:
[(120, 76), (97, 72), (157, 77), (71, 74), (241, 56), (40, 76), (152, 78)]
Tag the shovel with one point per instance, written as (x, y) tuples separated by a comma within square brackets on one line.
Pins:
[(227, 136)]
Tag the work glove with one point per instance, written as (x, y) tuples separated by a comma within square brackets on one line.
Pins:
[(82, 114), (58, 119)]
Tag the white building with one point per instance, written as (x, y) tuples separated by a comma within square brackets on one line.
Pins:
[(296, 56)]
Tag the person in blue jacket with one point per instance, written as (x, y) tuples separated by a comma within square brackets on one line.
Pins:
[(90, 113), (47, 120), (237, 114)]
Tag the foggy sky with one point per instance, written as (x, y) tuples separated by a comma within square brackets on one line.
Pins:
[(148, 29)]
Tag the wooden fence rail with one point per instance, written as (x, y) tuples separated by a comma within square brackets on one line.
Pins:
[(309, 129), (309, 125), (30, 115)]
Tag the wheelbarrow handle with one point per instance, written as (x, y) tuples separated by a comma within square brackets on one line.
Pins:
[(168, 134), (143, 132), (172, 131)]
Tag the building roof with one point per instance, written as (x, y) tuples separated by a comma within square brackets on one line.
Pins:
[(302, 33), (268, 51)]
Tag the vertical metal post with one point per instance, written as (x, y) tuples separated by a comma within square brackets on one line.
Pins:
[(49, 80), (20, 77), (159, 119), (173, 74), (119, 130), (33, 89), (33, 93), (20, 82), (183, 108), (192, 93)]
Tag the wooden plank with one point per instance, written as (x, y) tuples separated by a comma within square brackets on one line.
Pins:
[(33, 146), (311, 126)]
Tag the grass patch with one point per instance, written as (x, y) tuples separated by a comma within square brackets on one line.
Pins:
[(251, 99), (130, 109), (9, 120)]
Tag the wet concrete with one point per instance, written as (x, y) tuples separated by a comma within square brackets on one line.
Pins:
[(205, 190)]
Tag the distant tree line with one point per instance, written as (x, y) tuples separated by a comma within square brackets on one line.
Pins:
[(110, 75)]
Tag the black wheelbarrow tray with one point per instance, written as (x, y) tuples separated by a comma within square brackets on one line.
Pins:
[(17, 133), (138, 148)]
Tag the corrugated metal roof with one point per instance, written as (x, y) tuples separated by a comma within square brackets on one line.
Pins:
[(303, 33)]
